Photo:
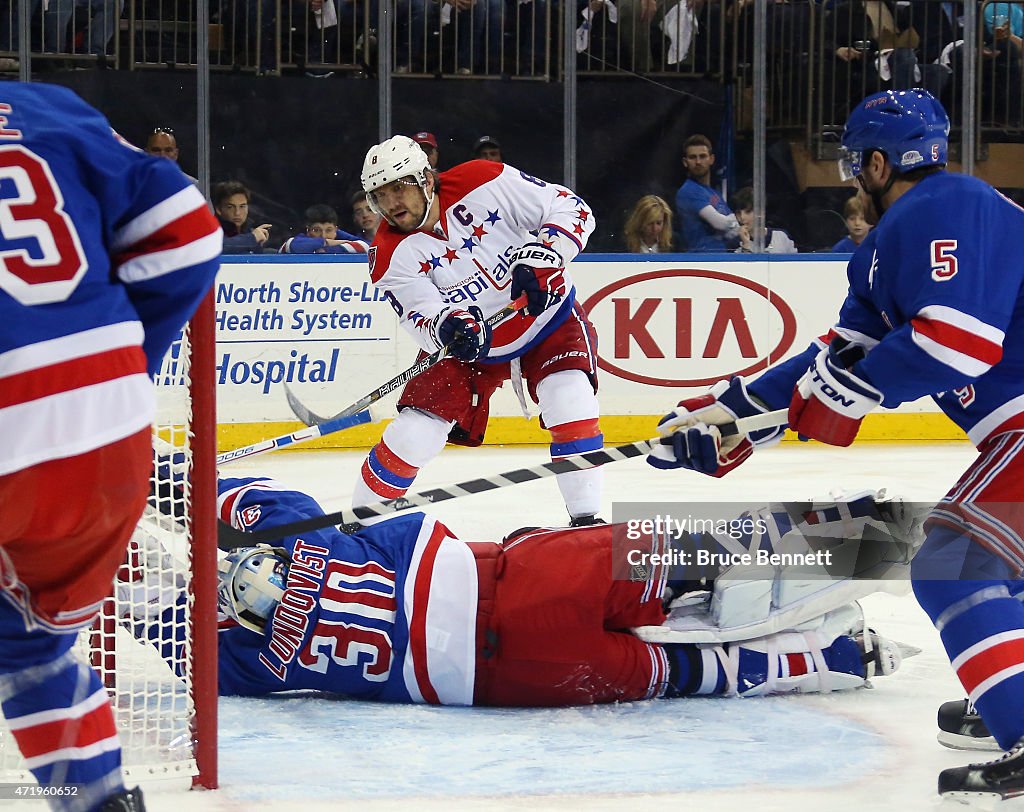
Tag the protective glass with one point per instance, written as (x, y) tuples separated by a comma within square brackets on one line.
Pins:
[(849, 163)]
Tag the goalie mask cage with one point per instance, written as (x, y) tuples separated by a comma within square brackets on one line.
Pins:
[(166, 717)]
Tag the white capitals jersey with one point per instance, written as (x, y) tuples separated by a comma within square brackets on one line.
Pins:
[(488, 210)]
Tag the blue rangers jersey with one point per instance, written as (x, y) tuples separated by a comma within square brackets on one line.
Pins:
[(936, 299), (104, 254), (358, 611)]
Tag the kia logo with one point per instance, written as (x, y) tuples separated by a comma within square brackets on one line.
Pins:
[(689, 327)]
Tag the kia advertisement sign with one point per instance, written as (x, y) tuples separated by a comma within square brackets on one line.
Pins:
[(667, 328), (682, 327)]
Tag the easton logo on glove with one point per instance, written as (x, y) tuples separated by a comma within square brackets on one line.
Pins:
[(537, 271)]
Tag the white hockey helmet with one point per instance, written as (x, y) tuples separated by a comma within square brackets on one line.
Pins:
[(251, 584), (398, 157)]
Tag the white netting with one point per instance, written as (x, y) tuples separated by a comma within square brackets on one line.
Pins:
[(152, 697)]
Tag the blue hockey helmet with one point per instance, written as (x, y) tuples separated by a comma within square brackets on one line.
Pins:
[(908, 126)]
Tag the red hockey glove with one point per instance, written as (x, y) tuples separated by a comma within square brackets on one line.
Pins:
[(539, 272), (829, 401)]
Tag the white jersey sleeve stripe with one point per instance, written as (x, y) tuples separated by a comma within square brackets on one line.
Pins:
[(957, 318), (74, 422), (959, 361), (155, 218), (151, 266)]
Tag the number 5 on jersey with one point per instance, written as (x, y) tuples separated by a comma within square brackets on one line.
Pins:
[(944, 261)]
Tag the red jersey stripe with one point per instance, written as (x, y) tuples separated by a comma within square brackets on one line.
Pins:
[(179, 232), (959, 340), (418, 623), (73, 374)]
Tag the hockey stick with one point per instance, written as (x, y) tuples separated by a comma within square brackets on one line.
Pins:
[(343, 421), (230, 538), (310, 418)]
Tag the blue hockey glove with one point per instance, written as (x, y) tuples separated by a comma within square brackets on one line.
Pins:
[(465, 333), (539, 272), (690, 435)]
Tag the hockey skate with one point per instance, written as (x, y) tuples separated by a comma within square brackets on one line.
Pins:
[(961, 728), (1001, 779)]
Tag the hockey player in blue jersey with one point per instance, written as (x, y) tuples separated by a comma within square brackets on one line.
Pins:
[(104, 254), (935, 307), (403, 611)]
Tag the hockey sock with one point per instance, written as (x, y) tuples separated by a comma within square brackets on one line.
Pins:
[(60, 715), (697, 670), (972, 600), (982, 629), (409, 442), (581, 490), (570, 411)]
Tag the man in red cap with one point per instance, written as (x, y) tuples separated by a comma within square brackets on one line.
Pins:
[(428, 143)]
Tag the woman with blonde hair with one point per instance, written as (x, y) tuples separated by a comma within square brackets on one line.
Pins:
[(648, 227)]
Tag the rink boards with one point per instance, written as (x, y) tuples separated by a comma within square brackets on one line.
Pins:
[(667, 327)]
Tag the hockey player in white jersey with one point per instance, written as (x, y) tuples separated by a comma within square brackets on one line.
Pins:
[(455, 248)]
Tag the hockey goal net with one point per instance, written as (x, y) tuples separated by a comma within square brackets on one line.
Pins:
[(154, 643)]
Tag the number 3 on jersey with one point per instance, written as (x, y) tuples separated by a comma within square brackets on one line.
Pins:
[(41, 257), (944, 261)]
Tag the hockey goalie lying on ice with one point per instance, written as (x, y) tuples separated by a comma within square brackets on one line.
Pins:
[(403, 611)]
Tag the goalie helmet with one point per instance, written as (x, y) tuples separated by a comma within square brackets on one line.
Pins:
[(908, 126), (398, 157), (252, 583)]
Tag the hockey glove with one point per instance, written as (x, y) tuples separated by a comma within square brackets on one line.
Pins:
[(830, 400), (537, 271), (464, 332), (691, 439)]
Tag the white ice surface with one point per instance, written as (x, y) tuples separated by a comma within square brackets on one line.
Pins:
[(859, 750)]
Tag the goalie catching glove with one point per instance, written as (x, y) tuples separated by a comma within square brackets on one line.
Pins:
[(539, 272), (830, 400), (464, 332), (690, 434)]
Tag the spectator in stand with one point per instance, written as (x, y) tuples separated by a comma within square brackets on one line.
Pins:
[(487, 149), (231, 205), (776, 241), (641, 20), (162, 143), (366, 219), (857, 227), (705, 221), (322, 235), (102, 16), (428, 143), (648, 228)]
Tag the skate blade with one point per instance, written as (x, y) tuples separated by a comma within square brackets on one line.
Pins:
[(981, 800), (956, 742)]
